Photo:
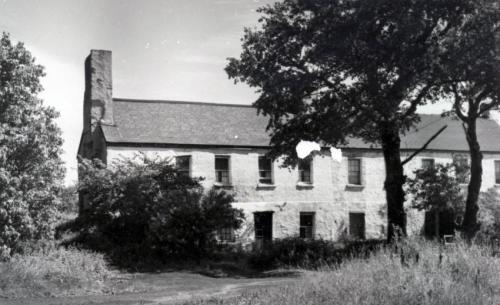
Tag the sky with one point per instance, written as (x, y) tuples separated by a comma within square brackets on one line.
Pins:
[(162, 49)]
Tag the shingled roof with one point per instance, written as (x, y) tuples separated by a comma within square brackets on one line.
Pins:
[(145, 122)]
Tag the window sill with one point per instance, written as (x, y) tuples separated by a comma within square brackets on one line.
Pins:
[(354, 187), (265, 186), (304, 185), (222, 185)]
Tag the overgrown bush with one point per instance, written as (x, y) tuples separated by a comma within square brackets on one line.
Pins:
[(436, 190), (69, 199), (489, 216), (53, 271), (145, 207), (308, 253)]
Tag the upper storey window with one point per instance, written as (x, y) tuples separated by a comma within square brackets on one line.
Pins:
[(222, 170), (427, 163), (265, 170), (354, 171), (497, 172), (183, 164), (305, 171)]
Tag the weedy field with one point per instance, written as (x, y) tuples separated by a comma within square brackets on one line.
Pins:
[(408, 273), (54, 272), (412, 273)]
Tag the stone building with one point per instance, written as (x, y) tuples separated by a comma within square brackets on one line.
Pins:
[(321, 198)]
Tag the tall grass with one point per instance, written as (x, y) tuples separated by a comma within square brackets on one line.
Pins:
[(451, 275), (49, 272)]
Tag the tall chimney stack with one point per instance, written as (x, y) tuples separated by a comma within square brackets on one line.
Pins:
[(98, 96)]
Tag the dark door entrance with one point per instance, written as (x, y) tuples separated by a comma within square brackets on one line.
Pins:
[(441, 223), (357, 225), (263, 223)]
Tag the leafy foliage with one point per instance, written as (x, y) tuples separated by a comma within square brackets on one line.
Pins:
[(309, 253), (31, 170), (327, 70), (69, 199), (489, 217), (146, 206), (437, 188)]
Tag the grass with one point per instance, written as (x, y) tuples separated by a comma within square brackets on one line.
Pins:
[(450, 275), (410, 273), (53, 272)]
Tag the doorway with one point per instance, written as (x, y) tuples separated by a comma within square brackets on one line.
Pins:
[(357, 225), (263, 223)]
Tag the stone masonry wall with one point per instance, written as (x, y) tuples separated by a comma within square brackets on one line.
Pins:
[(330, 197)]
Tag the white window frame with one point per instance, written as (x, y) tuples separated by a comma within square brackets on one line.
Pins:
[(313, 226), (310, 182), (229, 178), (360, 175), (271, 170)]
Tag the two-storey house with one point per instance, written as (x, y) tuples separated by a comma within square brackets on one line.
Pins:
[(226, 144)]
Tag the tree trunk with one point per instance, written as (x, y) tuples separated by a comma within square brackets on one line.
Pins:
[(436, 224), (470, 225), (396, 216)]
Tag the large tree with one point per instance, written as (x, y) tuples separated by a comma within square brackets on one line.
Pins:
[(330, 69), (472, 65), (31, 170)]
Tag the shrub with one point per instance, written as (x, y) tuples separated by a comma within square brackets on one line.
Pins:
[(489, 216), (437, 190), (52, 271), (147, 207), (308, 253), (69, 199)]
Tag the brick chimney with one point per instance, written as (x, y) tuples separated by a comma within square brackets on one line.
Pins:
[(98, 96)]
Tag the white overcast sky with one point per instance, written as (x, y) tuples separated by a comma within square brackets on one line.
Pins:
[(162, 49)]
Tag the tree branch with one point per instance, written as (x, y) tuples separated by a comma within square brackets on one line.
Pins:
[(457, 103), (417, 100), (425, 145)]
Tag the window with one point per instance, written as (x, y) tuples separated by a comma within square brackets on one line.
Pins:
[(226, 235), (183, 164), (305, 171), (461, 165), (357, 225), (306, 225), (427, 163), (497, 172), (265, 170), (354, 168), (222, 170)]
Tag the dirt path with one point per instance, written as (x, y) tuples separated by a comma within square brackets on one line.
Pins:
[(165, 288)]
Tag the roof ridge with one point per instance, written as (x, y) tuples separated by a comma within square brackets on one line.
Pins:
[(117, 99)]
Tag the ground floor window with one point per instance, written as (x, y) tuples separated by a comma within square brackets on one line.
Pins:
[(306, 225), (226, 235), (497, 172), (357, 225)]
